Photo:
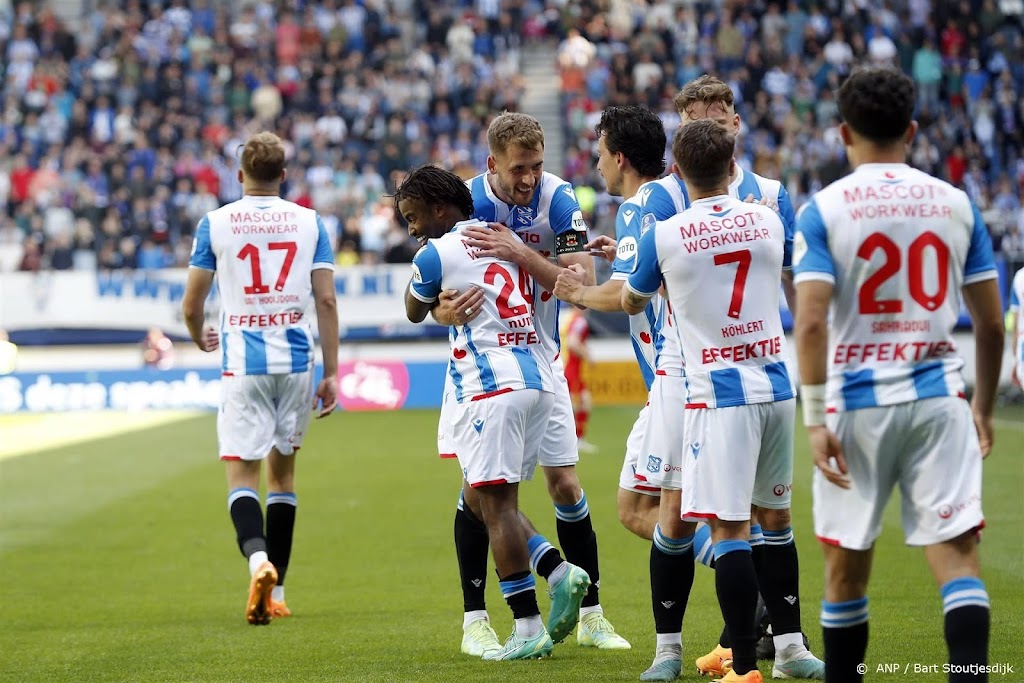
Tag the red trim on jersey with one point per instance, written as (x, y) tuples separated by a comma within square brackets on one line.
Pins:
[(491, 482), (695, 406), (557, 355), (961, 394), (447, 455), (230, 457), (699, 515), (227, 374), (647, 404), (831, 411), (661, 372), (639, 477), (647, 488), (491, 394), (830, 541)]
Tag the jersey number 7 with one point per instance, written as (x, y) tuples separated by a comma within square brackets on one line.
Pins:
[(742, 260), (252, 252)]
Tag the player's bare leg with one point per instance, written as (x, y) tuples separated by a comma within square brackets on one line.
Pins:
[(965, 602), (579, 543), (499, 505), (637, 512), (844, 613), (247, 516), (281, 508), (778, 574), (672, 568)]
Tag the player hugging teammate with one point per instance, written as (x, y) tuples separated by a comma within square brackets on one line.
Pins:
[(700, 261)]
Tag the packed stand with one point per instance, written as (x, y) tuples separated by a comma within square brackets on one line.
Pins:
[(117, 137), (784, 60)]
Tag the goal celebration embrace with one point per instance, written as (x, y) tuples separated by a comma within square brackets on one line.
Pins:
[(522, 341)]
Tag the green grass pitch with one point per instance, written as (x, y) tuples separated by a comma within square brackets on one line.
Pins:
[(119, 564)]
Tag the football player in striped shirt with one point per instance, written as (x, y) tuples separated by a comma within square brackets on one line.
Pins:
[(890, 249), (720, 262), (503, 390), (540, 227), (772, 540), (631, 143), (270, 258)]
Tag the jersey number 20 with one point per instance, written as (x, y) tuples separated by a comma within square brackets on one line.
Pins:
[(252, 253), (868, 301)]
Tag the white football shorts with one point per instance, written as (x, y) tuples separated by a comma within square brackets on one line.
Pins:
[(260, 412), (660, 460), (929, 448), (559, 447), (498, 439), (627, 478), (736, 456)]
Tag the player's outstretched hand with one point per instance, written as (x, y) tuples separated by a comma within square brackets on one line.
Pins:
[(828, 456), (764, 201), (570, 283), (326, 398), (496, 241), (458, 309), (602, 245), (210, 340), (983, 423)]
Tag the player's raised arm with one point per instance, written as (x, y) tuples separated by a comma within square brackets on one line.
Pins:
[(646, 279), (497, 241), (571, 235)]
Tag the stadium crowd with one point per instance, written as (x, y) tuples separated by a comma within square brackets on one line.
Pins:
[(116, 137), (785, 59)]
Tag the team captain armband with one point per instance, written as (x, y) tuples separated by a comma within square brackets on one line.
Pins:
[(813, 398), (572, 241)]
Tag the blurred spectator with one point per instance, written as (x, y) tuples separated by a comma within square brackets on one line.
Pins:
[(157, 350)]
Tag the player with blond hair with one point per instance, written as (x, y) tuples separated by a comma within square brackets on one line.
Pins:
[(271, 258)]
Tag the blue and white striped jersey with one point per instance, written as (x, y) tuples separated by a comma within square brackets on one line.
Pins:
[(553, 212), (655, 351), (898, 245), (663, 198), (720, 261), (500, 350), (263, 250)]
